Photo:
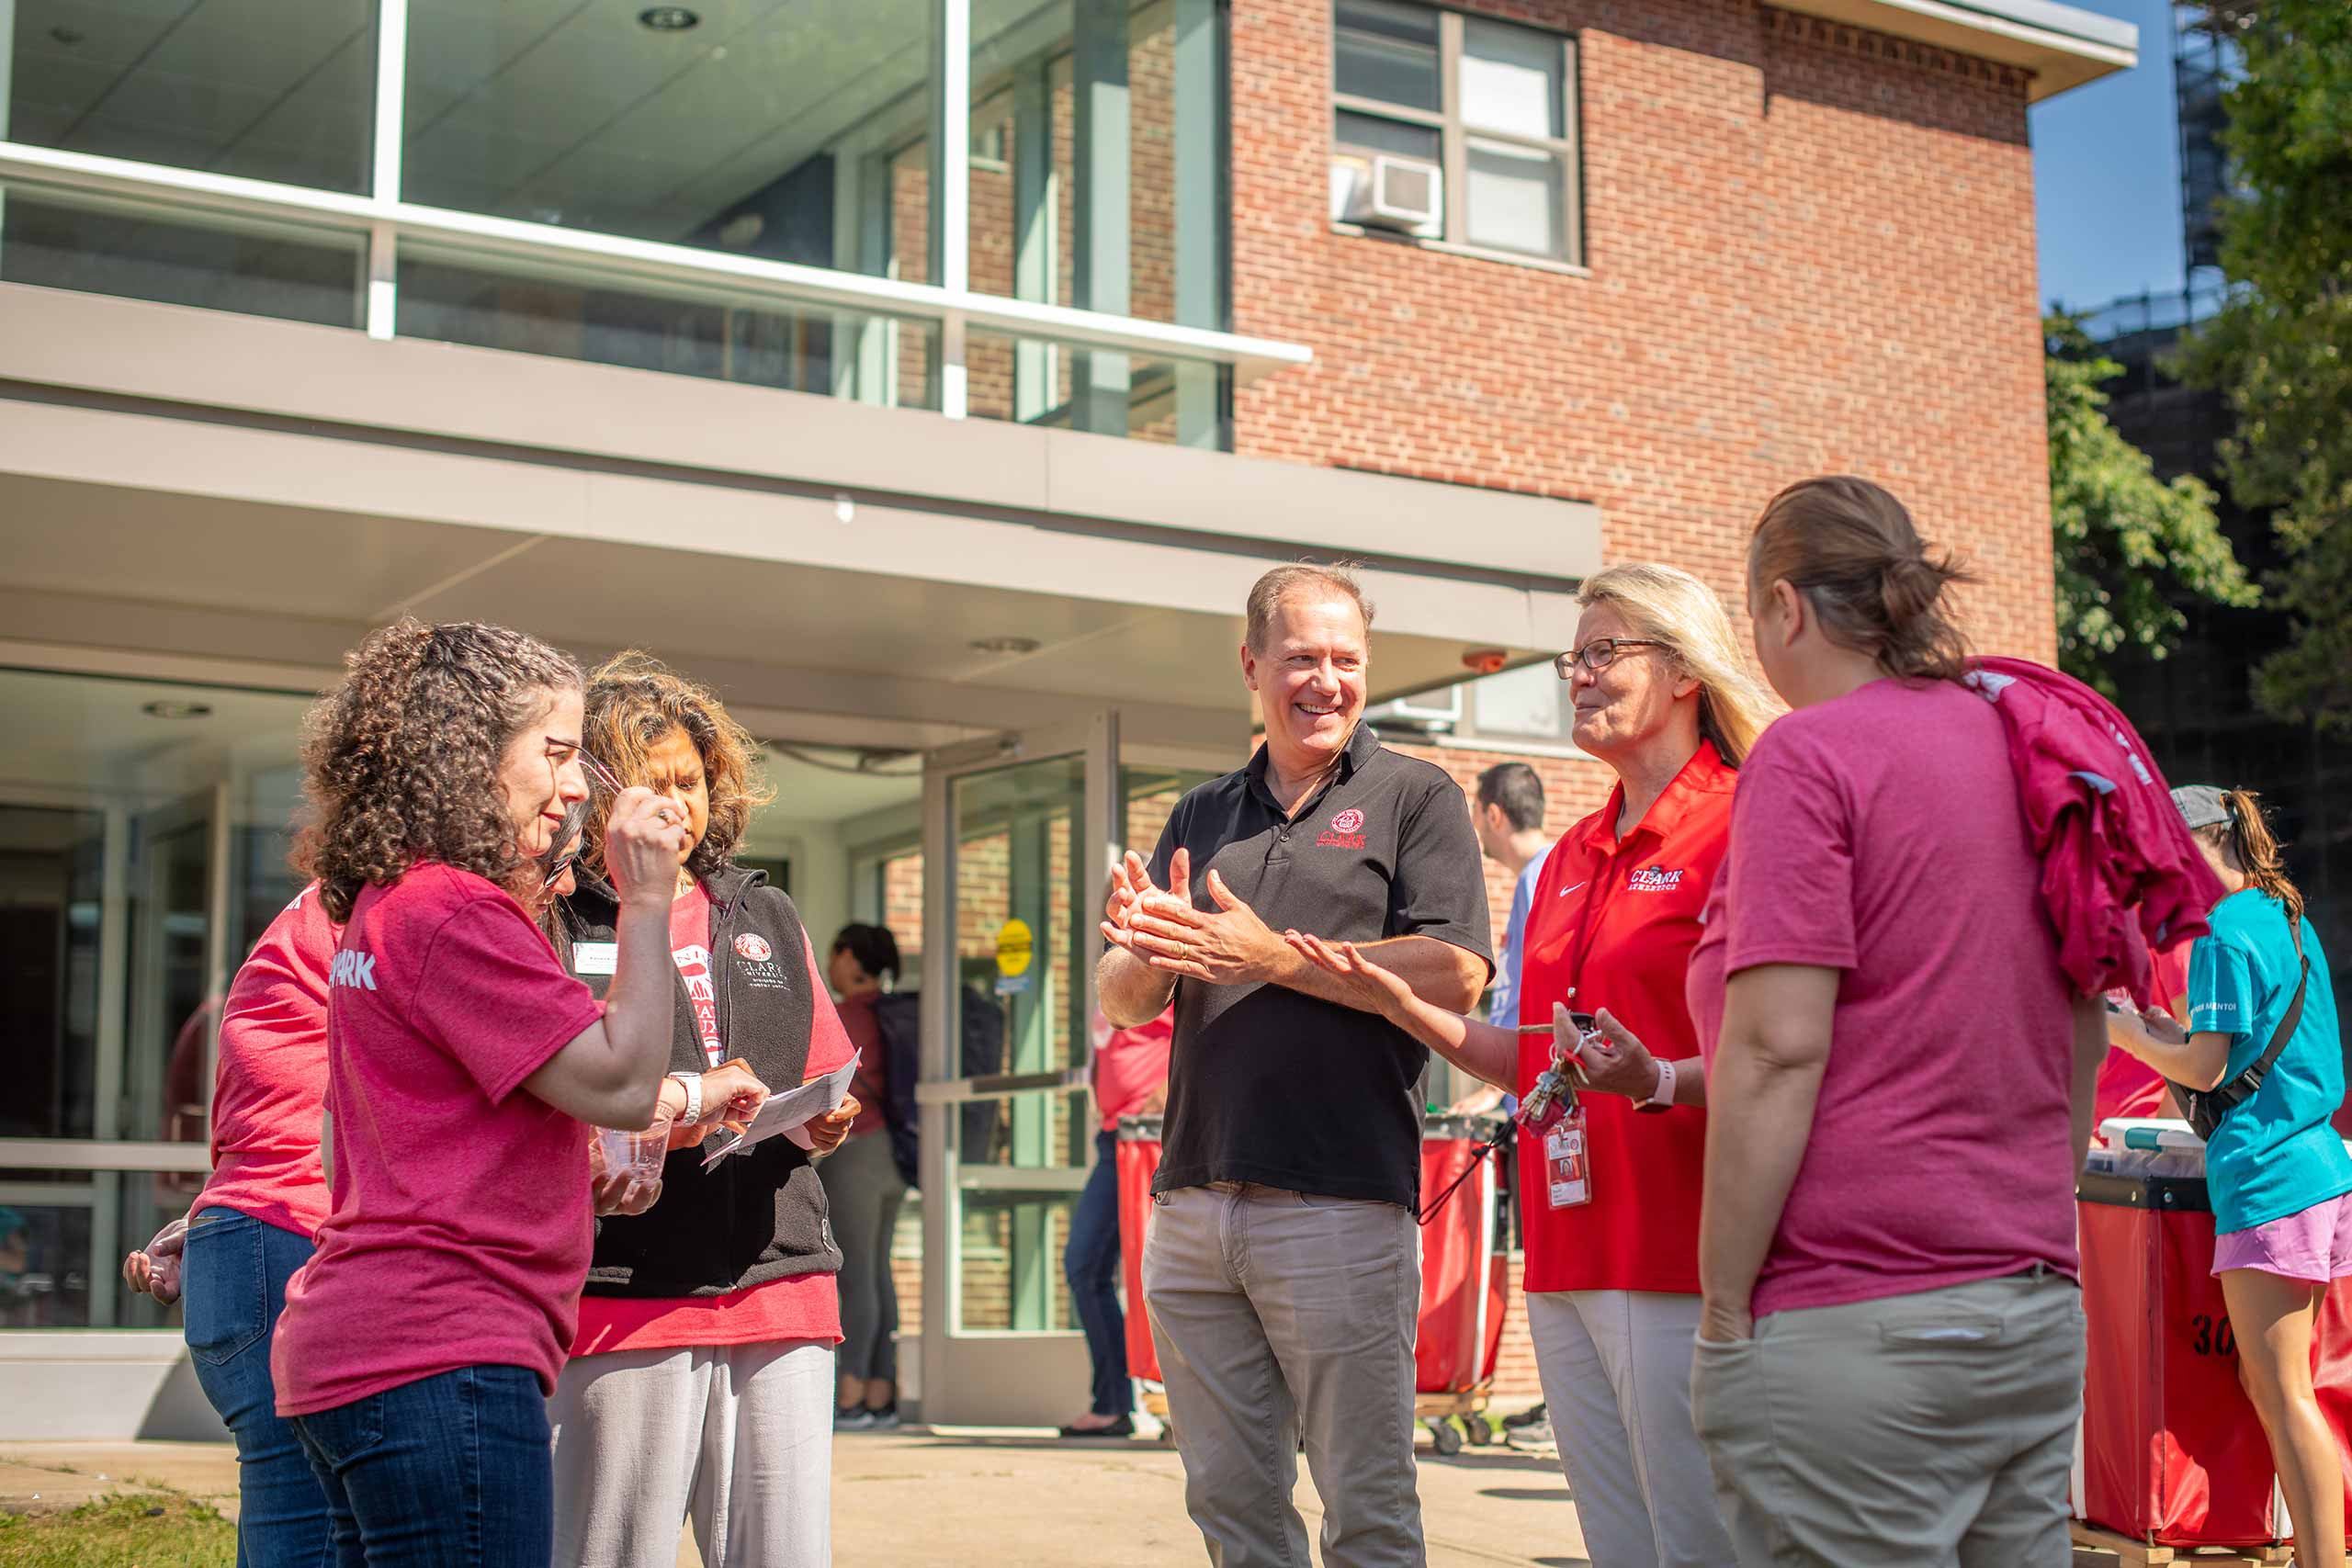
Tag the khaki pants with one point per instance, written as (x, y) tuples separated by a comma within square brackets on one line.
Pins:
[(1920, 1431), (1278, 1316)]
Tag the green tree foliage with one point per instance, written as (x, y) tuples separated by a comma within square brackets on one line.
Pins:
[(2125, 540), (2281, 350)]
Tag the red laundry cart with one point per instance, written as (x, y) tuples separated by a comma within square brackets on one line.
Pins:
[(1464, 1276), (2173, 1454)]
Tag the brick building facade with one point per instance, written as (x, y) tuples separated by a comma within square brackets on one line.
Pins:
[(1808, 248)]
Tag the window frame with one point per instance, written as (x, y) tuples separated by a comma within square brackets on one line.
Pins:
[(1454, 137)]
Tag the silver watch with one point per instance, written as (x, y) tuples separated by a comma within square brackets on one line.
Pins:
[(692, 1083)]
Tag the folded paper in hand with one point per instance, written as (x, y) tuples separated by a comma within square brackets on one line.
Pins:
[(790, 1113)]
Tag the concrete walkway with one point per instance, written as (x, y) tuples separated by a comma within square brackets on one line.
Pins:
[(978, 1499), (917, 1499)]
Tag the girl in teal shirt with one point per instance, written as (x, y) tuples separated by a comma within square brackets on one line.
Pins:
[(2280, 1180)]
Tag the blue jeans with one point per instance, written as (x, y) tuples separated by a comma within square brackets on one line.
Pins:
[(1091, 1262), (232, 1282), (453, 1471)]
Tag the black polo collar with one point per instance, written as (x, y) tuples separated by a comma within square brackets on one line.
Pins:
[(1362, 748)]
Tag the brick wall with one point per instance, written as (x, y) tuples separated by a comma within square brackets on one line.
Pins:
[(1811, 249)]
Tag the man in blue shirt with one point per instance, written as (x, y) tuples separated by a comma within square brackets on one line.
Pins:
[(1509, 814)]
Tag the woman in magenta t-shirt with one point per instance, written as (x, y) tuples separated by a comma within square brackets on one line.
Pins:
[(1890, 1356), (418, 1344), (259, 1210), (700, 1383)]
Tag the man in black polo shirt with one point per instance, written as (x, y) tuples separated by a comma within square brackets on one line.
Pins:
[(1281, 1271)]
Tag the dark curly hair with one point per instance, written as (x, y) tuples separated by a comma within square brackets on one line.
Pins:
[(635, 703), (400, 761)]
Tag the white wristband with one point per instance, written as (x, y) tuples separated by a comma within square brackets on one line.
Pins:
[(1663, 1095), (692, 1083)]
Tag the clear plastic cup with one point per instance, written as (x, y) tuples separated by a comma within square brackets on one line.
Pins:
[(638, 1155)]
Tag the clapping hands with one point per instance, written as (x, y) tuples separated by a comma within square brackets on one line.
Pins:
[(1228, 945)]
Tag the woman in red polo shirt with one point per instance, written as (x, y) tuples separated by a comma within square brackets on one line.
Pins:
[(1613, 1256)]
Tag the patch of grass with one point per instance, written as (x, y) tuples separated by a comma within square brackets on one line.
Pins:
[(154, 1529)]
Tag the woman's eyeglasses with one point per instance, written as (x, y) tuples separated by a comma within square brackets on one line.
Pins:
[(596, 769), (1599, 654)]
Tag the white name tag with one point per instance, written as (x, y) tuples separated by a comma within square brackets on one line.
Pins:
[(595, 957)]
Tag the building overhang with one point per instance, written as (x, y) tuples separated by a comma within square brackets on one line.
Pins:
[(187, 481), (2057, 46)]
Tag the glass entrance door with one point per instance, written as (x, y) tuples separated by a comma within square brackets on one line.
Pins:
[(1018, 836)]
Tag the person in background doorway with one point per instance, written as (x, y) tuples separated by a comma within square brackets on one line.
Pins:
[(700, 1382), (1130, 1079), (2280, 1180), (865, 1186), (1283, 1272)]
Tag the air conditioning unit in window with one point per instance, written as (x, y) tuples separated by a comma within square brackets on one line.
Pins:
[(1402, 193)]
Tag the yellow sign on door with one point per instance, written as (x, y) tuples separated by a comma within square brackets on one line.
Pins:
[(1014, 948)]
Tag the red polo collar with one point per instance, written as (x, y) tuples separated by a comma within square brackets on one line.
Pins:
[(1705, 773)]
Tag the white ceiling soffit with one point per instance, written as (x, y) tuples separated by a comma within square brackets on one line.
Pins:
[(710, 466), (788, 635)]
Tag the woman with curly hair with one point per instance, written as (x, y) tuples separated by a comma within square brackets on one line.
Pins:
[(418, 1343), (265, 1201), (701, 1380)]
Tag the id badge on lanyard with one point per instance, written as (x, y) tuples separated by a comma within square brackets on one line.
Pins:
[(1567, 1147), (1567, 1162)]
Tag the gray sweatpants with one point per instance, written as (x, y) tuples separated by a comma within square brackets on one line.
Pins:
[(1282, 1315), (737, 1437)]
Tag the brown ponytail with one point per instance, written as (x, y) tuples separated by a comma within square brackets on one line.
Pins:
[(1851, 548), (2247, 837)]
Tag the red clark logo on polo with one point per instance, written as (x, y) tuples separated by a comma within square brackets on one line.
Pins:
[(1346, 832), (753, 946)]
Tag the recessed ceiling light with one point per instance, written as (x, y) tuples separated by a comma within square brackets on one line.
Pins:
[(166, 709), (668, 18), (1006, 645)]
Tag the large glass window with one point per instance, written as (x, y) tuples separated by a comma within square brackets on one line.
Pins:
[(795, 133), (531, 309), (1098, 182), (66, 240), (277, 90), (805, 136), (1039, 381), (144, 830), (1454, 128)]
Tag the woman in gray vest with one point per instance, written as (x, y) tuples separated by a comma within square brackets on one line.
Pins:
[(700, 1385)]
